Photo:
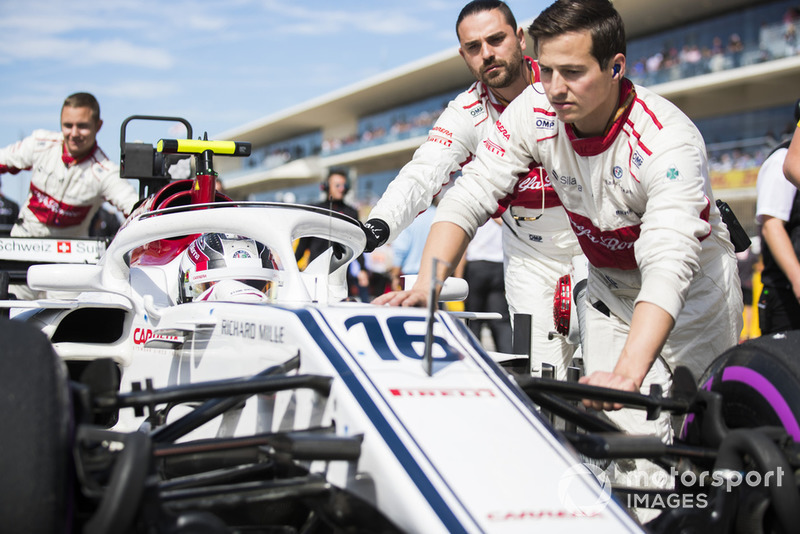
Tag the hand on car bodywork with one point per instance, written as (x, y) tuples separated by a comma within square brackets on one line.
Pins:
[(411, 298)]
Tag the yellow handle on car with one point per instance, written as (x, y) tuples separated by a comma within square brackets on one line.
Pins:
[(198, 146)]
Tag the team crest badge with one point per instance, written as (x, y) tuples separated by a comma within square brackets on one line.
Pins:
[(673, 175)]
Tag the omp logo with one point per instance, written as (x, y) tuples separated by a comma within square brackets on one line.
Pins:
[(64, 247), (476, 111), (141, 335), (637, 159), (502, 130), (545, 123), (494, 148), (440, 392)]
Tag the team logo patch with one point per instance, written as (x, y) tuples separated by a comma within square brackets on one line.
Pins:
[(673, 175), (617, 172), (241, 254)]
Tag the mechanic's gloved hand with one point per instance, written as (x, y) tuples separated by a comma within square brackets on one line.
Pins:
[(377, 233)]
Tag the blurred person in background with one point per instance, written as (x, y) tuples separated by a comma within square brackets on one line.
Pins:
[(778, 213), (335, 187)]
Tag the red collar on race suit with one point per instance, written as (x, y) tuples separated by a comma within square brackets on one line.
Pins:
[(67, 158), (591, 146)]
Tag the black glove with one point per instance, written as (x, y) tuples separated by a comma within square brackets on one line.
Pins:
[(377, 233)]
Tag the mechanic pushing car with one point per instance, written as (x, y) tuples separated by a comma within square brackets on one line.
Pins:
[(72, 176), (633, 178), (538, 243)]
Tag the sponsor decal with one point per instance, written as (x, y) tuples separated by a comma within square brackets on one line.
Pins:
[(532, 181), (476, 111), (48, 245), (247, 330), (606, 248), (50, 211), (545, 123), (441, 392), (617, 172), (242, 254), (441, 140), (141, 335), (535, 238), (637, 159), (494, 148), (611, 243), (565, 180), (522, 515), (441, 130), (167, 337), (502, 130)]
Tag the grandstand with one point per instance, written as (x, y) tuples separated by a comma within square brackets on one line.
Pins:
[(731, 65)]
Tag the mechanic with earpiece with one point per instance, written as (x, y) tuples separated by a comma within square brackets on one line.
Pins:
[(335, 187), (538, 242), (631, 170)]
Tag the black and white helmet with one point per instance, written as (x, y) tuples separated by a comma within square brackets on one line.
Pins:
[(214, 257)]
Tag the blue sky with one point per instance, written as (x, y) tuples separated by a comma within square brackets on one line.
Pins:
[(218, 64)]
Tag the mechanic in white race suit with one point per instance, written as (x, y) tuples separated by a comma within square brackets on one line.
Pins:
[(631, 171), (71, 176), (539, 245)]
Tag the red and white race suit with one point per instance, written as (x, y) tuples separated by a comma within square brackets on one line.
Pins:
[(640, 202), (64, 193), (536, 253)]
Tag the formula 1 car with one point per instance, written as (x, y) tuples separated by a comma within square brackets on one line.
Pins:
[(196, 380)]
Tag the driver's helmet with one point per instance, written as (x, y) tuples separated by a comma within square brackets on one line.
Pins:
[(214, 257)]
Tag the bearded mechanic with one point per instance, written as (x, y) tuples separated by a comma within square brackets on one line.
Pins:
[(71, 175), (631, 171), (538, 243)]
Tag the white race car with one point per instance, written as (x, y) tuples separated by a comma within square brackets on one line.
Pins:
[(195, 380)]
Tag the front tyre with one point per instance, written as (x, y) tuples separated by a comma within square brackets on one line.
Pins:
[(36, 432)]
